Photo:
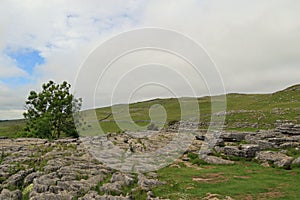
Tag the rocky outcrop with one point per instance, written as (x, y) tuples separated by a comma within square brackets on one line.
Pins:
[(253, 145), (61, 169), (11, 195), (64, 169), (289, 128), (217, 161), (296, 161), (233, 136), (276, 158), (245, 150), (146, 183)]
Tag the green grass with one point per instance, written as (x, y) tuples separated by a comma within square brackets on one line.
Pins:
[(10, 128), (260, 109), (237, 181)]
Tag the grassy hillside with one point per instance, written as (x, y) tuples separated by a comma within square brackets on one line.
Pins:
[(10, 128), (244, 112)]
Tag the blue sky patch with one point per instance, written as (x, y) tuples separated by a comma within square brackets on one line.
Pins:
[(26, 59), (15, 81)]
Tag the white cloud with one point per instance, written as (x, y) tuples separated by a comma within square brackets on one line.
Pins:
[(12, 101), (9, 69), (252, 42), (63, 31), (255, 44), (11, 114)]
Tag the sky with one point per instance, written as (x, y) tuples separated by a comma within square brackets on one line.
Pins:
[(254, 45)]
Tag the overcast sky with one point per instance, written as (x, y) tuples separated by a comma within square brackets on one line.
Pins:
[(254, 44)]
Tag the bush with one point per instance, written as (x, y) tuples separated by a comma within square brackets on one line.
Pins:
[(50, 112)]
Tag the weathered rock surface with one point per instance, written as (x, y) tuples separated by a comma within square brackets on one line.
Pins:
[(245, 150), (62, 169), (233, 136), (217, 161), (289, 128), (277, 158), (11, 195), (146, 183), (296, 161)]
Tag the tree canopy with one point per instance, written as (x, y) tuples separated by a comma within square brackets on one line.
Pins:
[(49, 113)]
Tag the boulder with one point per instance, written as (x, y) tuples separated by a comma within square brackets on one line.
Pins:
[(11, 195), (245, 150), (146, 184), (263, 145), (51, 196), (277, 158), (233, 136), (296, 161), (250, 150), (217, 161), (112, 188), (289, 128), (30, 177), (126, 179), (233, 151), (289, 145), (93, 195), (17, 179)]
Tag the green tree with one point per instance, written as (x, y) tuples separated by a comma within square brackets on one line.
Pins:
[(50, 112)]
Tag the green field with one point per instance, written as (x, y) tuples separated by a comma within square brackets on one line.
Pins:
[(243, 112), (243, 180), (10, 128)]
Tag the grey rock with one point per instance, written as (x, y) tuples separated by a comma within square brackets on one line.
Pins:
[(47, 179), (263, 145), (90, 195), (51, 196), (262, 135), (55, 189), (289, 145), (40, 188), (94, 195), (51, 168), (233, 136), (30, 177), (127, 180), (245, 150), (296, 161), (233, 151), (250, 150), (110, 197), (289, 129), (279, 159), (73, 187), (217, 161), (11, 195), (112, 188), (147, 184), (282, 140), (17, 179)]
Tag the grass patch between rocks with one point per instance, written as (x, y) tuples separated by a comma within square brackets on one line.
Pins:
[(239, 181)]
